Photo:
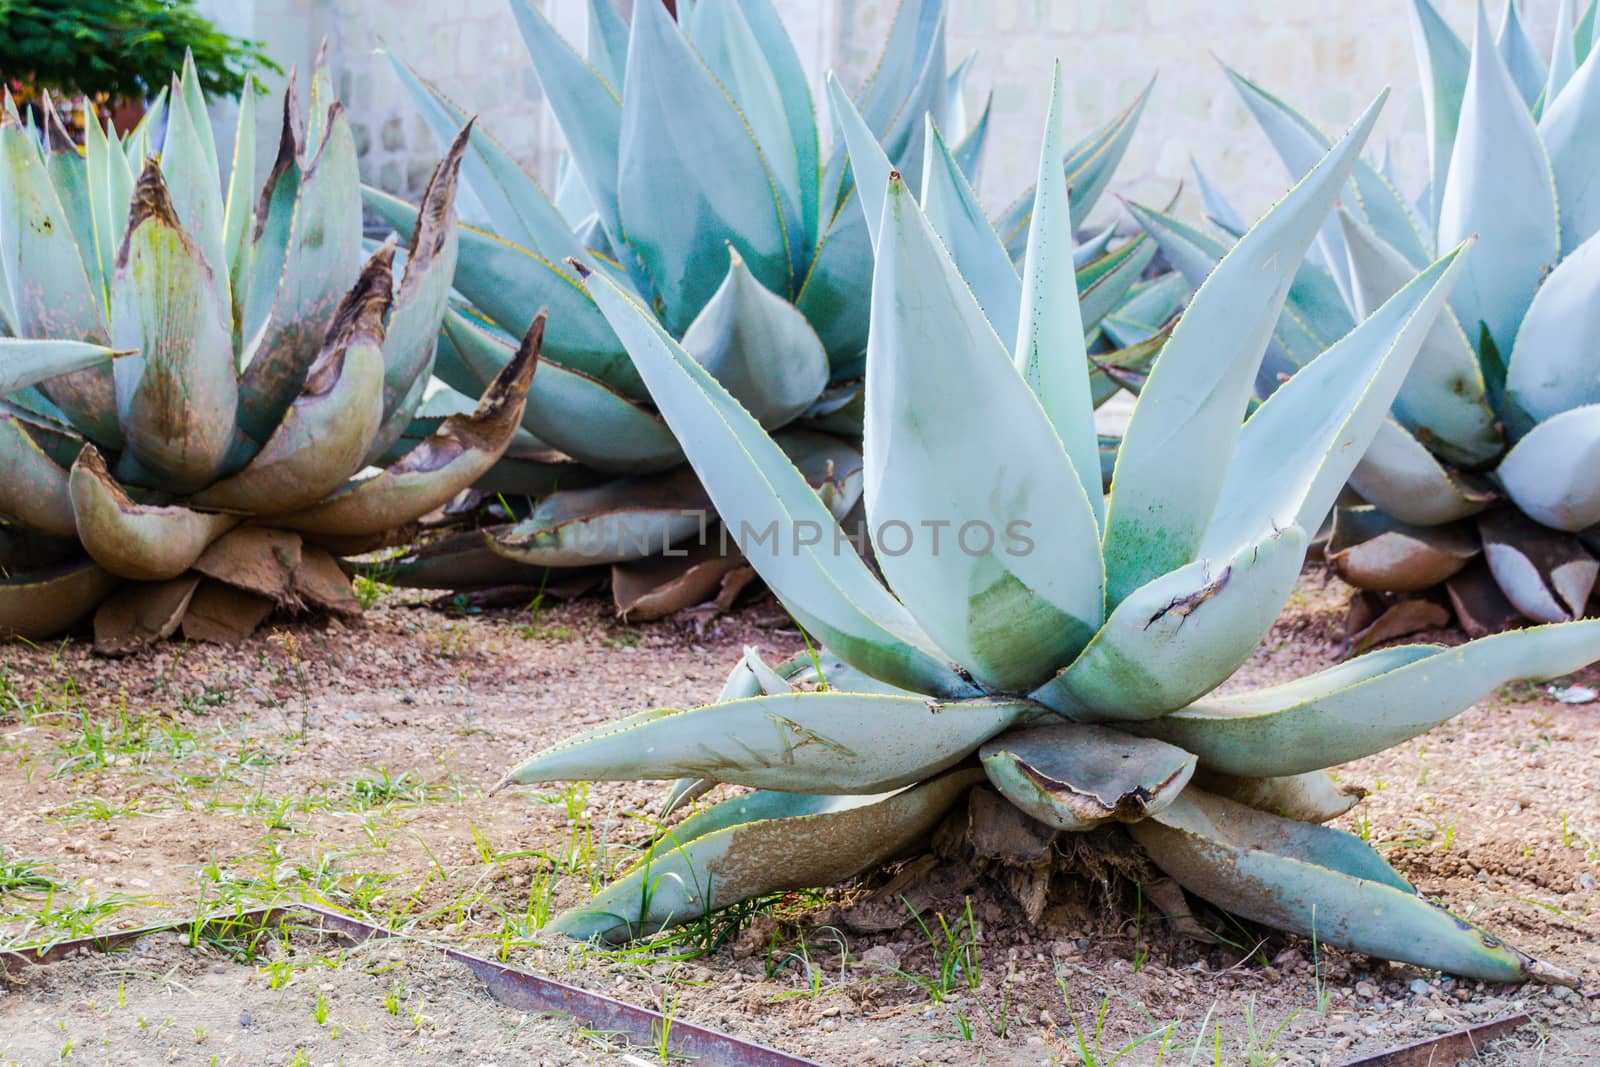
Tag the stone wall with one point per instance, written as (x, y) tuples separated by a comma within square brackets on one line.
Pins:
[(1329, 57)]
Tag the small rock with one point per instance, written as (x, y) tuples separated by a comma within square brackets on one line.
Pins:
[(1586, 880), (244, 1020), (1419, 987), (1366, 990), (1434, 1016), (881, 956)]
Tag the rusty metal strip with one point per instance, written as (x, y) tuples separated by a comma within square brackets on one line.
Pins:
[(1451, 1048), (515, 988)]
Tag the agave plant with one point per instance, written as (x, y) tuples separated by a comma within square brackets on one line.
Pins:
[(1485, 479), (232, 364), (1058, 645), (696, 182)]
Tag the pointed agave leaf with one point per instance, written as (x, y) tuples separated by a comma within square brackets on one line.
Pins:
[(177, 391), (1049, 348), (761, 498), (69, 172), (759, 347), (238, 213), (463, 449), (1366, 704), (1371, 550), (1567, 130), (411, 336), (869, 163), (1221, 213), (1146, 313), (518, 209), (1297, 451), (50, 294), (1075, 777), (1583, 33), (1518, 52), (582, 416), (620, 521), (1554, 368), (98, 163), (510, 284), (1319, 882), (45, 602), (1499, 187), (794, 85), (1180, 636), (189, 168), (1442, 399), (607, 42), (1550, 473), (1194, 399), (588, 110), (1546, 574), (321, 254), (822, 843), (958, 442), (326, 433), (131, 540), (1402, 478), (1563, 55), (953, 210), (33, 486), (26, 362), (677, 212), (822, 742)]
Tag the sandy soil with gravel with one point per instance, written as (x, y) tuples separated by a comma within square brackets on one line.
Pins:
[(349, 766)]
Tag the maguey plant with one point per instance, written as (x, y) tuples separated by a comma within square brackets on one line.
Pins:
[(1485, 479), (695, 179), (1043, 641), (232, 366)]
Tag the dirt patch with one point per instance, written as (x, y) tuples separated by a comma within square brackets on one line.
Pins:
[(348, 765)]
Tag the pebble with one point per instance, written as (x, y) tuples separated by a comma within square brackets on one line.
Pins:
[(881, 956), (1434, 1016), (1366, 990), (244, 1020), (1586, 880), (1419, 987)]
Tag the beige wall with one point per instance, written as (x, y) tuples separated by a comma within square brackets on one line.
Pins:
[(1326, 56)]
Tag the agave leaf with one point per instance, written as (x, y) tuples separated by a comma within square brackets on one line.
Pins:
[(623, 520), (969, 150), (1443, 58), (189, 168), (952, 208), (1548, 575), (582, 416), (606, 43), (26, 362), (44, 602), (1552, 368), (1402, 478), (1104, 284), (820, 845), (588, 110), (1566, 129), (33, 491), (50, 294), (461, 560), (675, 118), (1074, 777), (1550, 472), (960, 443), (518, 209), (107, 224), (1124, 368), (328, 431), (176, 391), (1195, 398), (274, 221), (1583, 33), (1480, 605), (1181, 635), (141, 613), (1310, 797), (1146, 312), (1499, 187), (761, 497), (1319, 882), (1442, 398), (1518, 52), (869, 162), (1049, 349), (904, 139), (1088, 166), (1563, 55), (1366, 704), (322, 253), (824, 742), (68, 170), (1297, 451), (742, 61), (759, 347), (238, 212), (458, 454), (1371, 550), (665, 585), (1221, 213), (411, 336), (145, 542), (914, 35), (837, 292)]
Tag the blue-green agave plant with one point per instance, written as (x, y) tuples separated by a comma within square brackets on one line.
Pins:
[(1488, 476), (1058, 644), (194, 372), (696, 181)]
